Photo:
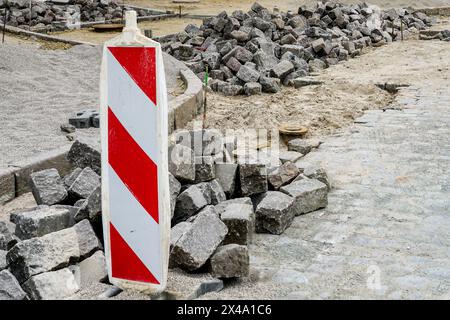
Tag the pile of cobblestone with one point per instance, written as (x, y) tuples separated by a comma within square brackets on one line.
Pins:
[(217, 202), (257, 51), (59, 14)]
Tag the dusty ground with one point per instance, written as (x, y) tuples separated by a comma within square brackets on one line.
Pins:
[(159, 28), (216, 6), (40, 89)]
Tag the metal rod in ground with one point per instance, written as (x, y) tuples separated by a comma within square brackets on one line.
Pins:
[(29, 23), (4, 24), (401, 27), (179, 7), (205, 87)]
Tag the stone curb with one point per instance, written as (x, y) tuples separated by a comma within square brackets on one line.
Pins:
[(438, 11), (42, 36), (188, 105)]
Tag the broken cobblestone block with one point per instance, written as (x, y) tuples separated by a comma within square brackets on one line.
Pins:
[(248, 74), (90, 270), (309, 195), (226, 176), (83, 154), (91, 207), (270, 85), (177, 232), (10, 288), (274, 212), (252, 88), (196, 245), (239, 219), (216, 191), (231, 89), (52, 251), (283, 175), (181, 163), (291, 156), (7, 235), (71, 177), (189, 202), (174, 188), (41, 221), (204, 169), (282, 69), (252, 178), (300, 145), (47, 187), (317, 172), (220, 208), (52, 285), (230, 261), (85, 183)]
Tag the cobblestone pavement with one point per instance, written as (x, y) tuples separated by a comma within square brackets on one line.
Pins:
[(386, 231)]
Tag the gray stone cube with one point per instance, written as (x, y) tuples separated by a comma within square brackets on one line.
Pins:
[(230, 261), (47, 187), (274, 212), (309, 195)]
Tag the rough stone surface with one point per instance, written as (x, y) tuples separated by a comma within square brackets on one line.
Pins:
[(177, 232), (300, 145), (274, 212), (7, 235), (10, 288), (91, 270), (181, 163), (41, 221), (195, 247), (53, 285), (220, 208), (282, 69), (226, 176), (291, 156), (216, 192), (239, 219), (283, 175), (47, 187), (253, 178), (204, 169), (70, 178), (230, 261), (174, 188), (84, 184), (91, 207), (316, 172), (83, 154), (309, 195), (52, 251), (3, 262), (252, 88), (189, 202)]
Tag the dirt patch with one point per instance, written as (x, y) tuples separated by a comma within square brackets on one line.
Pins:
[(322, 109)]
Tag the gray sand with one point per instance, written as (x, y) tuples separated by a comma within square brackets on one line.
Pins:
[(41, 89)]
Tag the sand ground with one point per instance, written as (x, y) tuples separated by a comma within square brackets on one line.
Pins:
[(41, 88)]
